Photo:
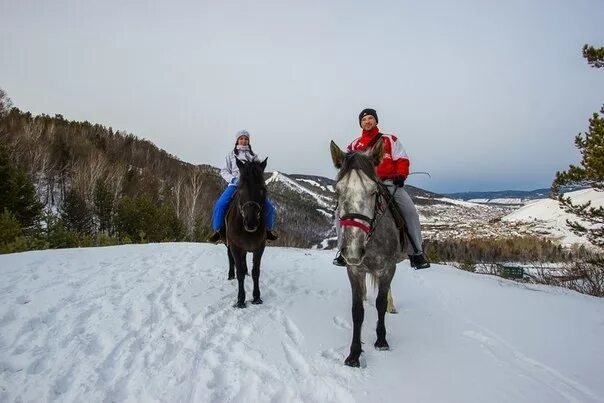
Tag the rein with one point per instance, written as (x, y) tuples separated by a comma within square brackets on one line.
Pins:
[(364, 223)]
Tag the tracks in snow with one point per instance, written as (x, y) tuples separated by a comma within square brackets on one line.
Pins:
[(159, 327), (156, 323)]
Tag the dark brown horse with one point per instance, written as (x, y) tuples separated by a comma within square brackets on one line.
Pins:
[(245, 228)]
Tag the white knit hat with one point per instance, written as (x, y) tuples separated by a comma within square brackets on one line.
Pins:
[(242, 133)]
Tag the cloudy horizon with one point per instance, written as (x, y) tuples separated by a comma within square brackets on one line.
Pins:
[(483, 96)]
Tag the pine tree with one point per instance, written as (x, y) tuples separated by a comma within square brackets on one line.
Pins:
[(75, 214), (10, 228), (17, 193), (103, 207), (590, 172), (594, 56)]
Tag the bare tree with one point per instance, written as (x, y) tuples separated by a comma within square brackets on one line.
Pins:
[(5, 103), (179, 194), (192, 192), (86, 172), (116, 178)]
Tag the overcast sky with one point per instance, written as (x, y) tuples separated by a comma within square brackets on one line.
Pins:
[(485, 95)]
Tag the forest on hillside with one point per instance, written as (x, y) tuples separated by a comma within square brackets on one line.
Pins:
[(85, 184), (100, 186)]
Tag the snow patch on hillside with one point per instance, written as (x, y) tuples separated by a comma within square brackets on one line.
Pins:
[(456, 202), (321, 200), (505, 201), (549, 217), (316, 184)]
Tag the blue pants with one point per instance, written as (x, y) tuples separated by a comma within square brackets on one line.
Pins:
[(222, 206)]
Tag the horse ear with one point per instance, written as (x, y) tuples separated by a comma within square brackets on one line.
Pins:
[(337, 155), (377, 152), (263, 164), (240, 164)]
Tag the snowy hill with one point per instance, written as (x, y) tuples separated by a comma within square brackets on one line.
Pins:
[(304, 210), (547, 217), (301, 186), (155, 323), (301, 197)]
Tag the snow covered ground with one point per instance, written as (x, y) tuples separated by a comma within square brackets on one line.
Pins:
[(156, 323)]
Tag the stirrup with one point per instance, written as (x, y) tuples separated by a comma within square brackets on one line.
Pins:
[(419, 261), (215, 237), (271, 235), (339, 260)]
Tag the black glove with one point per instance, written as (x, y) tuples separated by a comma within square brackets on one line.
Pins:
[(399, 181)]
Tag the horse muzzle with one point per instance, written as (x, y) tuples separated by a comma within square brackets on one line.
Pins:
[(247, 229), (353, 257)]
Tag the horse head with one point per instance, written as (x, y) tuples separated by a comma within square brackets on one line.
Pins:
[(251, 193), (357, 194)]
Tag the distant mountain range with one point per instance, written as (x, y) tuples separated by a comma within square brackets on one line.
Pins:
[(502, 194), (508, 197)]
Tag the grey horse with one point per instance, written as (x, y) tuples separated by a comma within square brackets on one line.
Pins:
[(369, 237)]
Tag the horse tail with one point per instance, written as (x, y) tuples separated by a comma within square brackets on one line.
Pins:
[(375, 283)]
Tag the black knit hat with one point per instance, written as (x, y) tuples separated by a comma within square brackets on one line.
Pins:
[(368, 111)]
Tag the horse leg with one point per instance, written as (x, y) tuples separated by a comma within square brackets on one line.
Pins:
[(239, 257), (381, 303), (391, 308), (358, 314), (231, 264), (256, 274), (364, 290)]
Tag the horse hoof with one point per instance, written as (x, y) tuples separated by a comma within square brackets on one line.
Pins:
[(382, 345), (257, 301), (231, 277), (240, 305), (352, 362)]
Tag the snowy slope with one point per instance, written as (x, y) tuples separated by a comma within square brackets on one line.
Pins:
[(321, 200), (155, 323), (457, 202), (547, 215)]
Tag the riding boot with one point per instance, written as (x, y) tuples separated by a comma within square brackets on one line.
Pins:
[(271, 235), (419, 261), (339, 260), (215, 237)]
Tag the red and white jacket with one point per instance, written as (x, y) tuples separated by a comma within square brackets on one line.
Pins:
[(395, 162)]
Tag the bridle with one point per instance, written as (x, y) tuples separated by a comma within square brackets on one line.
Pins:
[(361, 221), (250, 202)]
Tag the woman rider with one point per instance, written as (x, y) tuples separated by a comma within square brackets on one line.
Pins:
[(230, 173)]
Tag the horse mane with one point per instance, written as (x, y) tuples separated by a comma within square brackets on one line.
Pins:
[(252, 173), (357, 160)]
